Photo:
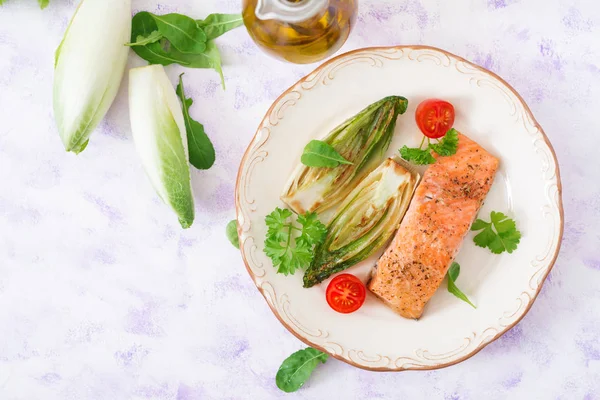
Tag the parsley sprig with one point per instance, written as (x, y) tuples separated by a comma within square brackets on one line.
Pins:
[(499, 235), (288, 245), (422, 156)]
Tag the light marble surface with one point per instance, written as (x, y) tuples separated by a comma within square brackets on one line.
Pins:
[(103, 296)]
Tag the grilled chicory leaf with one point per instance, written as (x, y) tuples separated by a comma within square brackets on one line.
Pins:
[(364, 222), (362, 140)]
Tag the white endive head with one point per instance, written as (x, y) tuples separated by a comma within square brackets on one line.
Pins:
[(89, 66), (160, 138)]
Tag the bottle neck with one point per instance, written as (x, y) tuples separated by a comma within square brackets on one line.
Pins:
[(290, 11)]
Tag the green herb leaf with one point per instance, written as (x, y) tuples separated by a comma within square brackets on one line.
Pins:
[(155, 36), (417, 156), (211, 58), (313, 231), (216, 25), (201, 150), (479, 224), (320, 154), (290, 252), (182, 31), (232, 233), (297, 368), (499, 235), (453, 273), (448, 145), (164, 53), (43, 3)]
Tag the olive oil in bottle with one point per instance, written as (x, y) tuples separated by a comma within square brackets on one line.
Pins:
[(300, 31)]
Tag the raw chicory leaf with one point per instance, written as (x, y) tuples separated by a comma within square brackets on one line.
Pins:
[(201, 150), (317, 153), (297, 368), (43, 3), (89, 65), (182, 31), (159, 135), (232, 233), (216, 25)]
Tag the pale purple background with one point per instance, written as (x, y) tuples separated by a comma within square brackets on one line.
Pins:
[(104, 296)]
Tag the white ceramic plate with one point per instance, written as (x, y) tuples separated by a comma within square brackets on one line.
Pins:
[(527, 187)]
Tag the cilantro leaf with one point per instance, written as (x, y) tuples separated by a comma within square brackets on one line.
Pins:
[(499, 235), (417, 156), (287, 251), (453, 273), (447, 145)]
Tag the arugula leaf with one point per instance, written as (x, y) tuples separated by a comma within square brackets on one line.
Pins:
[(499, 235), (417, 156), (155, 36), (319, 154), (211, 58), (216, 25), (232, 233), (163, 52), (182, 31), (290, 252), (201, 150), (297, 368), (448, 145), (453, 273)]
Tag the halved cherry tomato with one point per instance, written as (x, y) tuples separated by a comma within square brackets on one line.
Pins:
[(435, 117), (346, 293)]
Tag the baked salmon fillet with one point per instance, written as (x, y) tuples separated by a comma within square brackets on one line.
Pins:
[(443, 208)]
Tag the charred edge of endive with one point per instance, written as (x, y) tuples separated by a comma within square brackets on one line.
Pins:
[(362, 140), (364, 222), (89, 66), (158, 129)]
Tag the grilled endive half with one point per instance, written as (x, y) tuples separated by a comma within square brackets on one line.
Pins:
[(364, 222), (362, 140)]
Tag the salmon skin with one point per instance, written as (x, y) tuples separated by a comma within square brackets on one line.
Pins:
[(441, 213)]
